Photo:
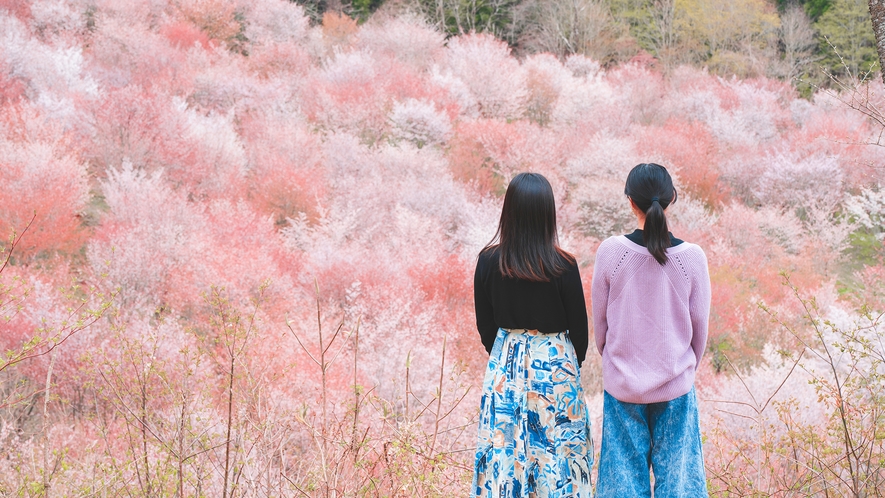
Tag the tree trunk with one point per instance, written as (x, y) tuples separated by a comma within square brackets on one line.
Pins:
[(877, 13)]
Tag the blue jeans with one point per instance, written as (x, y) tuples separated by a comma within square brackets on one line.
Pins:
[(664, 437)]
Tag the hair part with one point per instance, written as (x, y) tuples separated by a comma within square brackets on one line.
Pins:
[(527, 239), (651, 188)]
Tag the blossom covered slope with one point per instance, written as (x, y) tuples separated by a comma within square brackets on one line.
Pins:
[(221, 173)]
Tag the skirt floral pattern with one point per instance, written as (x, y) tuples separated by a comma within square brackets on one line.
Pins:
[(534, 429)]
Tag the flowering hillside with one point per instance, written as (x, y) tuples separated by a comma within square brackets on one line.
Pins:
[(239, 248)]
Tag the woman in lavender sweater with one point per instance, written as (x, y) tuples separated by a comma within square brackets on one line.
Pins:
[(651, 304)]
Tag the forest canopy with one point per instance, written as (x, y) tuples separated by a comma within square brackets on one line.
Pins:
[(801, 41)]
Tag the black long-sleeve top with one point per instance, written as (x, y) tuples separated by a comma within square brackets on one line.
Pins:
[(512, 303)]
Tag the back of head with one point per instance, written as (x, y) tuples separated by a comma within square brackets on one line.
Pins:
[(650, 187), (527, 239)]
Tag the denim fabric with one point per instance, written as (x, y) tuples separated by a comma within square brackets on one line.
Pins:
[(534, 428), (662, 437)]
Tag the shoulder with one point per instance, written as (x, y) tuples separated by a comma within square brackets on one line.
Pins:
[(610, 254), (488, 258), (610, 246), (489, 253), (694, 250), (568, 260), (570, 266), (692, 256)]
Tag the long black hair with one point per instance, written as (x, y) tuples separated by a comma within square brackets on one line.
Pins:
[(526, 238), (650, 187)]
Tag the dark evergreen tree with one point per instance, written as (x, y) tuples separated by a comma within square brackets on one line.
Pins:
[(357, 9)]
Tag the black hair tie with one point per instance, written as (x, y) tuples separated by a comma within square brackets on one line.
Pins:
[(654, 199)]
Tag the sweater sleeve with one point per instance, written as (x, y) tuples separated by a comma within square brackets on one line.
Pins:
[(485, 313), (599, 296), (572, 296), (699, 304)]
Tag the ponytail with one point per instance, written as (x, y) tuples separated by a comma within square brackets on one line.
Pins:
[(650, 187), (655, 231)]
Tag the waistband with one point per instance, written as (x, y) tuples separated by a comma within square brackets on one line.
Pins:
[(530, 331)]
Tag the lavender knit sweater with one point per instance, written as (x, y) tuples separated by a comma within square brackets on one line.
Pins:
[(650, 321)]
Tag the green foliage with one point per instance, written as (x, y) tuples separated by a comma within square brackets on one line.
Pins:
[(846, 41), (814, 8), (728, 36), (238, 43), (865, 248), (313, 8), (455, 17), (362, 9), (638, 16), (719, 347), (729, 33), (866, 212)]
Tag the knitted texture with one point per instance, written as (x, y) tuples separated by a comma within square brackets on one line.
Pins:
[(650, 321)]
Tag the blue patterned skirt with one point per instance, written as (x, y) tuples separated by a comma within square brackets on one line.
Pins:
[(534, 429)]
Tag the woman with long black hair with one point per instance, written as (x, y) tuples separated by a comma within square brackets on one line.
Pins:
[(534, 429), (651, 305)]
